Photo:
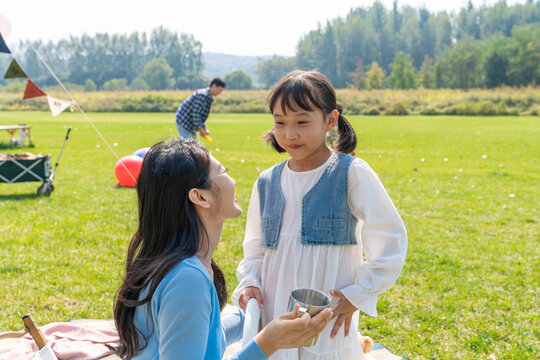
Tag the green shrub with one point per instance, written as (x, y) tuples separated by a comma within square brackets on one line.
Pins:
[(15, 86), (397, 108), (429, 111), (115, 85), (90, 85), (485, 108), (138, 84), (372, 111)]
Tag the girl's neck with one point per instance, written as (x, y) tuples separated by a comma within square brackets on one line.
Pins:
[(205, 254), (312, 161)]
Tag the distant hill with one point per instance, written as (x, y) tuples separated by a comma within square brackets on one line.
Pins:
[(217, 64)]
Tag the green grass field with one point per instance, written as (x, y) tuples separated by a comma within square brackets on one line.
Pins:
[(466, 187)]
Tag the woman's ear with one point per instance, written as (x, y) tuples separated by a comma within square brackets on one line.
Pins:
[(198, 198), (332, 120)]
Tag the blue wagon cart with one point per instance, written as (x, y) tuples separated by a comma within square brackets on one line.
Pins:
[(13, 170)]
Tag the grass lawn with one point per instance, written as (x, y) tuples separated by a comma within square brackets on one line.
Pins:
[(466, 187)]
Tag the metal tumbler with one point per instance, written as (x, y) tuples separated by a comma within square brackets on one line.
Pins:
[(311, 301)]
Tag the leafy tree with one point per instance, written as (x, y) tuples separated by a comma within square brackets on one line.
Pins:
[(403, 74), (192, 81), (375, 77), (359, 76), (115, 85), (157, 74), (273, 69), (139, 84), (182, 52), (444, 33), (238, 80), (90, 85), (413, 41), (496, 68), (439, 81), (464, 61), (524, 55), (427, 77)]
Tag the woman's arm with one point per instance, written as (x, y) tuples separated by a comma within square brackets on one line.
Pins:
[(383, 236), (183, 310), (286, 332)]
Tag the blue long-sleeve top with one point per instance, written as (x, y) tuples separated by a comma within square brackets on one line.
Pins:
[(185, 321)]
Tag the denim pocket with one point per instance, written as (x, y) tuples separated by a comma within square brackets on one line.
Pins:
[(330, 223)]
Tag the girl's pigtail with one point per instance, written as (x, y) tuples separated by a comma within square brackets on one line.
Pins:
[(346, 141), (270, 138)]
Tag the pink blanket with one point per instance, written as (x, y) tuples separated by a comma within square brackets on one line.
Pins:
[(69, 341)]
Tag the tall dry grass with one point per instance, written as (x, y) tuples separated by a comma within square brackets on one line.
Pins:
[(500, 101)]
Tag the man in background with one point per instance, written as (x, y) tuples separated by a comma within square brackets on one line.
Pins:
[(192, 114)]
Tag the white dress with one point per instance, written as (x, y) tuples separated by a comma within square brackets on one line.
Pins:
[(361, 271)]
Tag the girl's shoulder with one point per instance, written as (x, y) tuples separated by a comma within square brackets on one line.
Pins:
[(360, 163), (267, 173), (360, 167)]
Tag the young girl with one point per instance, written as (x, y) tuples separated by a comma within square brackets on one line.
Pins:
[(321, 220), (168, 306)]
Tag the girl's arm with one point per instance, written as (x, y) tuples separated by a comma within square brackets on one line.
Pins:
[(383, 236), (250, 268)]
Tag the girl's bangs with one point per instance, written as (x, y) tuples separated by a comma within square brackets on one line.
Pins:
[(295, 96)]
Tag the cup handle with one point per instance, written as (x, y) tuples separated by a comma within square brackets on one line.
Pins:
[(301, 311)]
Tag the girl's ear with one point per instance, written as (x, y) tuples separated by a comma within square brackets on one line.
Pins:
[(332, 120), (198, 198)]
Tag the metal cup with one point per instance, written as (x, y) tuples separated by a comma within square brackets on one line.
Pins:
[(311, 301)]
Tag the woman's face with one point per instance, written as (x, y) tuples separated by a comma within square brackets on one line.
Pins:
[(222, 191)]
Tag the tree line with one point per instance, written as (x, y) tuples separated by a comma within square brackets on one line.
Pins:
[(137, 61), (161, 60), (371, 48), (402, 47)]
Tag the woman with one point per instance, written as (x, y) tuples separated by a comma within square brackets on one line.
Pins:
[(168, 306)]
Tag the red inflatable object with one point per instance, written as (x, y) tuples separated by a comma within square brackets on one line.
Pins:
[(127, 170)]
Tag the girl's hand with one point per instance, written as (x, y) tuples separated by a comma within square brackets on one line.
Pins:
[(344, 312), (251, 292), (288, 331)]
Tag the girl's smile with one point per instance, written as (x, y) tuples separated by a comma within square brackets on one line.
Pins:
[(302, 134)]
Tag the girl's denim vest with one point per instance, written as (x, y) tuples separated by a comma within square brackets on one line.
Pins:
[(326, 219)]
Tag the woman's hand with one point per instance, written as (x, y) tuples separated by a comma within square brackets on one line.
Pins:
[(251, 292), (344, 312), (288, 331)]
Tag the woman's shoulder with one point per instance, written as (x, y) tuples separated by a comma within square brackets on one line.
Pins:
[(189, 275)]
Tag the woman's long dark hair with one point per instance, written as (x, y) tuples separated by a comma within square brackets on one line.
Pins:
[(310, 90), (169, 231)]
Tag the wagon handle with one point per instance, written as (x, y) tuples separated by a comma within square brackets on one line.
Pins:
[(59, 155)]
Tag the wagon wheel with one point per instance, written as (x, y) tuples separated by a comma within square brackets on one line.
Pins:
[(46, 188)]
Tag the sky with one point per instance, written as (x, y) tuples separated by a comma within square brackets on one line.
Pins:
[(238, 27)]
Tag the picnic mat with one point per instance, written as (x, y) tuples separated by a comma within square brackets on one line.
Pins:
[(379, 352)]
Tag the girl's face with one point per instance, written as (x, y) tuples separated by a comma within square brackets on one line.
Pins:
[(225, 204), (302, 133)]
